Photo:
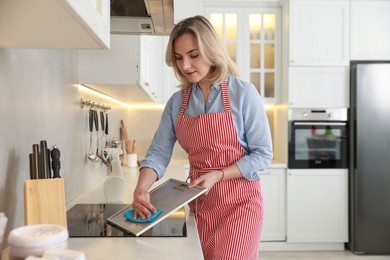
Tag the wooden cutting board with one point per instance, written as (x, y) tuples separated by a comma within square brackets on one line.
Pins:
[(44, 202)]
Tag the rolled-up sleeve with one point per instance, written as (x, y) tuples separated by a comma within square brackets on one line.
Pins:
[(160, 151), (257, 136)]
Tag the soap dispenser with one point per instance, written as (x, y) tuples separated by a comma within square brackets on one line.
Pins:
[(114, 185)]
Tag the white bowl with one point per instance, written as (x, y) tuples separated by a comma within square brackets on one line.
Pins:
[(36, 239)]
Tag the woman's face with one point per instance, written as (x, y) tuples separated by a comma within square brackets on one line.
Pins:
[(189, 59)]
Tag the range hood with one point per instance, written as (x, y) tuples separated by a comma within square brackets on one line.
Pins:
[(142, 17)]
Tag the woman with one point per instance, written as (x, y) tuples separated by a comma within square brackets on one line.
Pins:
[(220, 121)]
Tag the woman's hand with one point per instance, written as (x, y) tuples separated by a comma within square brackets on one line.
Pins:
[(207, 180), (142, 205)]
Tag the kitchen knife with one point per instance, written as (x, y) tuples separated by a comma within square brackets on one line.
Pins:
[(44, 157), (30, 159), (55, 161), (35, 161), (48, 172)]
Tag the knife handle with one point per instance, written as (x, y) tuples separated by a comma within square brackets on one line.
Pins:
[(30, 159), (48, 172), (55, 161), (43, 160), (35, 161)]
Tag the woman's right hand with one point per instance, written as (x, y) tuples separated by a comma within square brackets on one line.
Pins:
[(142, 205)]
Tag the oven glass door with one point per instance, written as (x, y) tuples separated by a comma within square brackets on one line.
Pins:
[(317, 145)]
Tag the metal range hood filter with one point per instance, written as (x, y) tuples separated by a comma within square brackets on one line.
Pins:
[(141, 17)]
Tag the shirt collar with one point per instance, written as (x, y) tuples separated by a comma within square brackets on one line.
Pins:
[(216, 86)]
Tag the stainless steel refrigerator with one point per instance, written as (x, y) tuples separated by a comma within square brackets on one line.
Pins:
[(370, 159)]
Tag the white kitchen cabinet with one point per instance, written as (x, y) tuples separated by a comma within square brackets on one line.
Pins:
[(318, 87), (187, 8), (252, 37), (70, 24), (273, 182), (156, 77), (318, 32), (170, 84), (150, 62), (317, 205), (116, 66), (370, 30), (133, 62)]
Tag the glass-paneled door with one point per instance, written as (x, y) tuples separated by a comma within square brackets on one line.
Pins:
[(252, 37), (227, 23), (262, 56)]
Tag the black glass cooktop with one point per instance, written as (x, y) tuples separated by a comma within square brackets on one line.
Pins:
[(90, 220)]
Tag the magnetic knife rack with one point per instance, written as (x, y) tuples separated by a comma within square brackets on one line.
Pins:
[(94, 104)]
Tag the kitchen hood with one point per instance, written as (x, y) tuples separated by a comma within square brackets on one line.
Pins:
[(142, 17)]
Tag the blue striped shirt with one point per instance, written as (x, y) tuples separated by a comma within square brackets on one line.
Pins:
[(249, 118)]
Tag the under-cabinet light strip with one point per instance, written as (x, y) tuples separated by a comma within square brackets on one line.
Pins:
[(134, 106)]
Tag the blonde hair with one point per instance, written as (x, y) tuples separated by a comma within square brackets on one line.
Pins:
[(210, 47)]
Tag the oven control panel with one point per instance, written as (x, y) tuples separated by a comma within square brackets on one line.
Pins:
[(311, 114)]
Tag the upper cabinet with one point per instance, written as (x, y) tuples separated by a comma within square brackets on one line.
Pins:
[(132, 67), (316, 59), (252, 37), (319, 32), (370, 30), (169, 80), (68, 24), (116, 66)]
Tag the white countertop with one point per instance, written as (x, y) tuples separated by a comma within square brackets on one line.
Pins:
[(141, 247)]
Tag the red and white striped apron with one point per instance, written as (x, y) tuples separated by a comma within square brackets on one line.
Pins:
[(230, 217)]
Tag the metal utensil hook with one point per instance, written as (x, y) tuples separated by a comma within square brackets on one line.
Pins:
[(94, 104)]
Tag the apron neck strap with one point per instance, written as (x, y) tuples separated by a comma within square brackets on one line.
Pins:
[(187, 93)]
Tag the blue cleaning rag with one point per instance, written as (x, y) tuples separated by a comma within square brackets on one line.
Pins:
[(129, 215)]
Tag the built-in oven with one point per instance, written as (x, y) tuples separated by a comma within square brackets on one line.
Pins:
[(317, 138)]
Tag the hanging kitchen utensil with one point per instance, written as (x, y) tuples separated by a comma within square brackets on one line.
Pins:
[(106, 129), (102, 119), (106, 135), (102, 134), (102, 145), (91, 156), (96, 120)]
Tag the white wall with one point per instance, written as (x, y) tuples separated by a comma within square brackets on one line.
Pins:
[(38, 100), (142, 125)]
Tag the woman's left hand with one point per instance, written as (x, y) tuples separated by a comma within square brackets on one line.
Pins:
[(207, 180)]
